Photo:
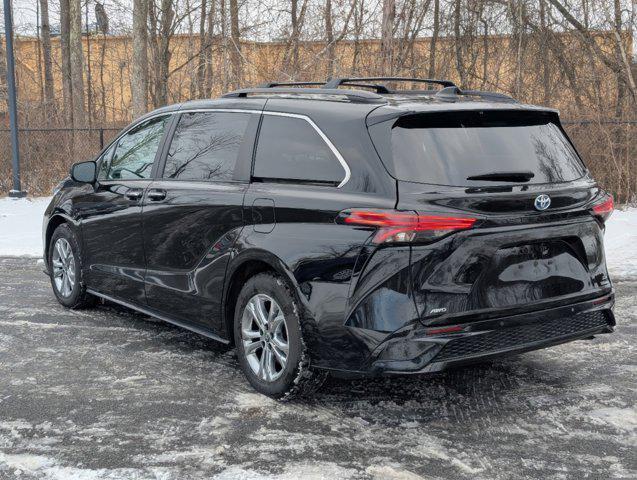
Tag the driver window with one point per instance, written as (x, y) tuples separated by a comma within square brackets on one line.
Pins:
[(135, 152), (105, 162)]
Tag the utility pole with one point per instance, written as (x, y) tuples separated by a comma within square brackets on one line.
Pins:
[(13, 109)]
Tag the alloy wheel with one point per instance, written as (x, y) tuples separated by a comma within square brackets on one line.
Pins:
[(265, 337), (63, 264)]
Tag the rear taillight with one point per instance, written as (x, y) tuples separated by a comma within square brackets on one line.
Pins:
[(396, 226), (603, 208)]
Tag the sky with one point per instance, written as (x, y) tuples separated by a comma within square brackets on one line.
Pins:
[(269, 14), (25, 14)]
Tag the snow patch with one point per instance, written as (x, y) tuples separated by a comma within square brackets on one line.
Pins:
[(387, 472), (21, 226), (619, 418), (620, 243), (306, 471)]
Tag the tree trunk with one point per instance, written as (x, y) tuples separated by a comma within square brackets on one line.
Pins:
[(77, 63), (235, 55), (203, 47), (458, 43), (387, 37), (546, 64), (434, 40), (224, 40), (329, 38), (3, 75), (139, 67), (49, 95), (358, 30), (65, 51), (625, 81), (102, 84), (208, 57), (164, 53), (290, 61)]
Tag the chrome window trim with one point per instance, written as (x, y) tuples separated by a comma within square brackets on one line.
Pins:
[(316, 128), (115, 143), (327, 141)]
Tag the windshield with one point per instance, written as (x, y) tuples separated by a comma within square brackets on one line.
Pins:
[(477, 148)]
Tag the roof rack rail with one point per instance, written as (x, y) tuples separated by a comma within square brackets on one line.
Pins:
[(289, 84), (361, 82), (454, 91), (354, 96)]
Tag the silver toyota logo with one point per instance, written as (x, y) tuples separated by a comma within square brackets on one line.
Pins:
[(542, 202)]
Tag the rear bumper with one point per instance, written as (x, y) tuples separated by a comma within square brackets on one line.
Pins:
[(417, 349)]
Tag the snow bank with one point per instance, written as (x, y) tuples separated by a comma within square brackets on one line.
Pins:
[(620, 243), (21, 226), (21, 221)]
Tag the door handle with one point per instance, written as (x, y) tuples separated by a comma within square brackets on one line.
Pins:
[(134, 193), (156, 194)]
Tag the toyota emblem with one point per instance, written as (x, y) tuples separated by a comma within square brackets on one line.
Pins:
[(542, 202)]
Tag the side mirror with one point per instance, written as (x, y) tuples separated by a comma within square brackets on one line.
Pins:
[(84, 172)]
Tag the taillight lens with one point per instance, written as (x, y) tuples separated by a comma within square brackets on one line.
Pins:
[(399, 226), (604, 207)]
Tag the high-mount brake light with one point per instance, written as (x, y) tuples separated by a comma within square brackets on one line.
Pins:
[(604, 207), (396, 226)]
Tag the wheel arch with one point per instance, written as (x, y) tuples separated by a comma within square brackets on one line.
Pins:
[(246, 265), (54, 222)]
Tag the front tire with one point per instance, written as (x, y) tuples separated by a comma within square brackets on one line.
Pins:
[(65, 269), (269, 341)]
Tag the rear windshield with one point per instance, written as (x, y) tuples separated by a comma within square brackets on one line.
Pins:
[(450, 147)]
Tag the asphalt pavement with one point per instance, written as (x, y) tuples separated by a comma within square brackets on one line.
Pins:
[(108, 393)]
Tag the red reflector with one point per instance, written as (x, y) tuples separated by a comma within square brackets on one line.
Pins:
[(402, 226), (437, 331), (599, 301)]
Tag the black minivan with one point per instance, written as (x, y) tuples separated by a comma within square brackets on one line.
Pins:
[(346, 227)]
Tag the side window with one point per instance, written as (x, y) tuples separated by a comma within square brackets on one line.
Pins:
[(205, 146), (290, 149), (135, 152), (105, 162)]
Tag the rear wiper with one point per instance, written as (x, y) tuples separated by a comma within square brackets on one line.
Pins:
[(504, 176)]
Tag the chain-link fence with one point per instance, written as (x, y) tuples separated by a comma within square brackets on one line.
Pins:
[(609, 148), (46, 155)]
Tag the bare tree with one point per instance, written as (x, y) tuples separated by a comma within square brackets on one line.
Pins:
[(291, 57), (203, 47), (622, 69), (65, 51), (434, 40), (329, 38), (77, 63), (3, 74), (235, 49), (387, 36), (161, 30), (458, 41), (49, 95), (139, 67)]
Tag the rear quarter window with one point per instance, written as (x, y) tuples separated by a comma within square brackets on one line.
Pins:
[(290, 149), (446, 148)]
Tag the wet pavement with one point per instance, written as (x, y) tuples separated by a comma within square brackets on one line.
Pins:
[(108, 393)]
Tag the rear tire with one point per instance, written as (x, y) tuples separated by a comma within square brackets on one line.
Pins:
[(270, 346), (65, 269)]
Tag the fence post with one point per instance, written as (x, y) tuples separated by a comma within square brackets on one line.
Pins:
[(101, 138), (16, 191)]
